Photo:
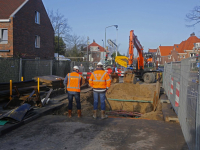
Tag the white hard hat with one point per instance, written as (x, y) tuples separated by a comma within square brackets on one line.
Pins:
[(99, 64), (76, 67)]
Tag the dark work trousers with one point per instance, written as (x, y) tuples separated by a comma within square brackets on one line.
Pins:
[(77, 98)]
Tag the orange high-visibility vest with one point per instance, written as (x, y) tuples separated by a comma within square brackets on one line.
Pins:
[(99, 79), (73, 83)]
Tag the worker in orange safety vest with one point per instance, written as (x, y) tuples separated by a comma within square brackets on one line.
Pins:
[(100, 82), (73, 82)]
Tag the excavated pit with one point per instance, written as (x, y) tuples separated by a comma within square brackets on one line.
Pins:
[(86, 106), (131, 97), (123, 91)]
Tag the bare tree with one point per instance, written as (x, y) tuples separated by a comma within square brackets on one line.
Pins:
[(75, 40), (59, 23), (75, 44), (194, 16)]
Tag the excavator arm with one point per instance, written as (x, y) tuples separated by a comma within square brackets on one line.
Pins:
[(134, 42)]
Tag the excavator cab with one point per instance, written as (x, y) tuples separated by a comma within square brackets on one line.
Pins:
[(148, 61)]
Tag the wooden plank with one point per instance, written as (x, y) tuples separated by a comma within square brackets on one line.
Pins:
[(154, 100), (168, 113)]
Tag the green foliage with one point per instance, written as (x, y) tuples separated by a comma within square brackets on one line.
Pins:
[(114, 54), (62, 46)]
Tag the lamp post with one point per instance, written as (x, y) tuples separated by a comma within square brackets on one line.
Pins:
[(105, 31), (104, 51), (58, 39), (87, 49), (116, 42)]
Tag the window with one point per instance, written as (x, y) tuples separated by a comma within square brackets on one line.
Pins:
[(169, 57), (3, 36), (37, 41), (183, 56), (192, 54), (37, 17), (180, 56), (97, 55)]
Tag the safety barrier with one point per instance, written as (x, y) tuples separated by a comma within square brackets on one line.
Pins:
[(86, 75), (181, 84), (120, 73)]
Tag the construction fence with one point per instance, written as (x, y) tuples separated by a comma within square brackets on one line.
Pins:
[(181, 84), (14, 69)]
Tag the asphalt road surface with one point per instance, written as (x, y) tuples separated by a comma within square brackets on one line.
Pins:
[(59, 133)]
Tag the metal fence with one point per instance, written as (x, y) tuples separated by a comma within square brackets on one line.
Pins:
[(181, 84), (14, 69)]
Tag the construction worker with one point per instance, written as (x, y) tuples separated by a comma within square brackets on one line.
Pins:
[(100, 82), (73, 82)]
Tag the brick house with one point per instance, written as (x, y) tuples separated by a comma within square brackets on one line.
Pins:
[(95, 51), (25, 30), (186, 49), (163, 54)]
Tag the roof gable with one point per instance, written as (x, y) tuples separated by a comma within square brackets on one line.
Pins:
[(152, 50), (101, 49), (8, 7), (165, 50), (188, 44)]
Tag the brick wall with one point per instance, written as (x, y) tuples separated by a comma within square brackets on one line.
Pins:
[(9, 45), (25, 29)]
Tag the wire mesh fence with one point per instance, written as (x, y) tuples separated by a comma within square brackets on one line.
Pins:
[(181, 84), (13, 69), (9, 69)]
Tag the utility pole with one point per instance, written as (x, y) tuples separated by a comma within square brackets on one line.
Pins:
[(58, 42), (87, 49)]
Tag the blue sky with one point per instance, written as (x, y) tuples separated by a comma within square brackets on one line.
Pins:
[(155, 22)]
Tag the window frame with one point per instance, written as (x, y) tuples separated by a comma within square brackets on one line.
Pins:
[(1, 36), (37, 41), (37, 17)]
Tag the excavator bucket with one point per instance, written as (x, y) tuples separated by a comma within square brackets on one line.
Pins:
[(114, 78), (129, 77)]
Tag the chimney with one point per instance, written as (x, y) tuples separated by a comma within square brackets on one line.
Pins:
[(93, 41), (192, 34)]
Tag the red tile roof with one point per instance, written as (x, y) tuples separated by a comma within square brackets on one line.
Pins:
[(152, 50), (188, 44), (101, 49), (165, 50), (7, 7)]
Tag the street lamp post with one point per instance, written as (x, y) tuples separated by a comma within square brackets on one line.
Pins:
[(105, 33), (103, 51), (116, 42), (87, 49)]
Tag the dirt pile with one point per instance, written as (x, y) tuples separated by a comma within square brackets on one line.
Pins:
[(130, 91), (131, 97)]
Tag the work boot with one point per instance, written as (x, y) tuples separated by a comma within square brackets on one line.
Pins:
[(95, 114), (103, 115), (69, 113), (79, 113)]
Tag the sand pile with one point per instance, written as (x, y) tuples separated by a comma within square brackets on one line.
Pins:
[(141, 94), (130, 91)]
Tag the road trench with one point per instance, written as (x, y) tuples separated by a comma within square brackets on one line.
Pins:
[(140, 108)]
